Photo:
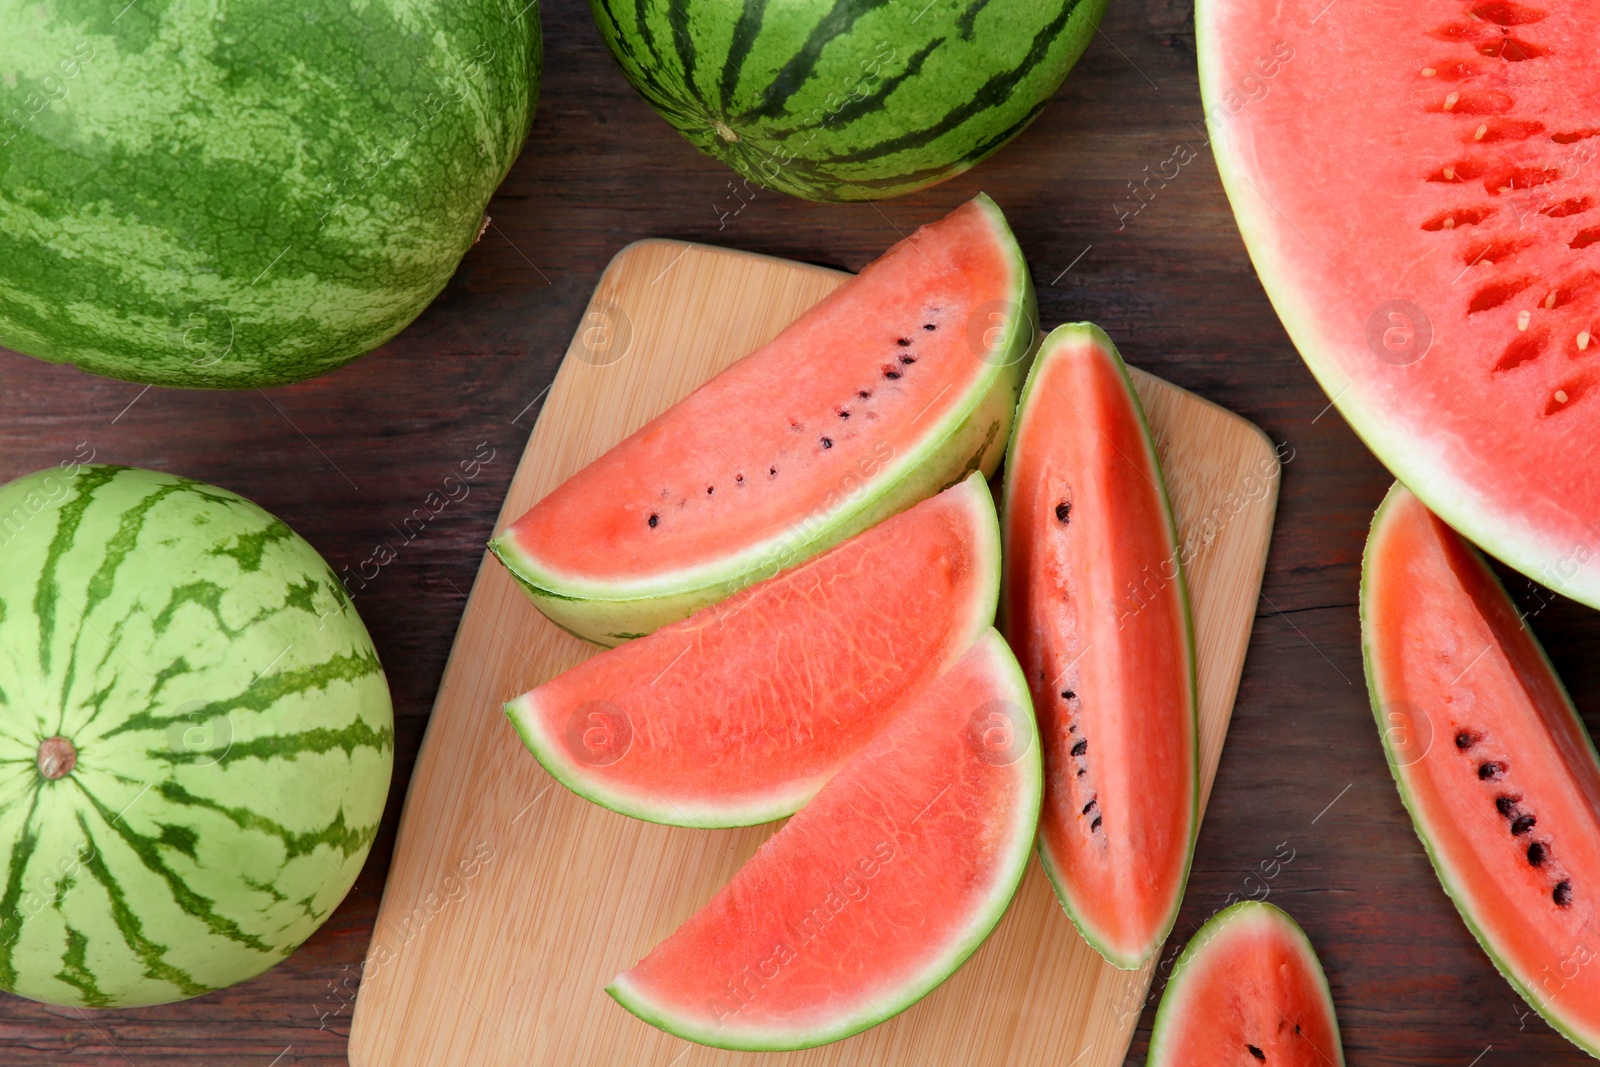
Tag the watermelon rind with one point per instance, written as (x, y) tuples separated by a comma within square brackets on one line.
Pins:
[(981, 924), (971, 436), (1166, 1045), (556, 759), (1414, 460), (1449, 879), (1092, 334), (232, 728), (238, 195), (847, 102)]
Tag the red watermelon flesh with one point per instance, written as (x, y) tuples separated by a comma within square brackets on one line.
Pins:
[(738, 714), (1492, 761), (1417, 186), (1247, 991), (1097, 611), (875, 891), (899, 383)]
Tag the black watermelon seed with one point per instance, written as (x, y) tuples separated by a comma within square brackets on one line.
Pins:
[(908, 359), (1081, 747), (863, 394), (1506, 804), (1522, 824), (844, 413), (772, 472), (710, 489), (1257, 1053), (929, 326), (1491, 771), (1067, 694), (1087, 808), (1062, 512), (1094, 825), (892, 375), (1562, 894), (738, 477), (1082, 772), (827, 442), (653, 520), (903, 341), (1466, 739), (1536, 854)]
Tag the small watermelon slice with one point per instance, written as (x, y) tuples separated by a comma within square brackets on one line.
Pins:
[(1416, 185), (738, 714), (1248, 991), (1492, 761), (876, 891), (894, 386), (1097, 610)]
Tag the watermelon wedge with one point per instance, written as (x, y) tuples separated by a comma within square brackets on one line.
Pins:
[(1098, 613), (876, 891), (893, 387), (738, 714), (1415, 183), (1247, 991), (1494, 765)]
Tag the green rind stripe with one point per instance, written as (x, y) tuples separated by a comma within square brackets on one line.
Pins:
[(287, 746), (794, 74), (75, 970), (745, 32), (338, 834), (10, 921), (69, 518)]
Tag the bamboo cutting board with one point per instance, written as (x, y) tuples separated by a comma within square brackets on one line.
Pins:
[(512, 902)]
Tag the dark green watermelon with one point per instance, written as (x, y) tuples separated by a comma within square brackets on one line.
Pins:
[(847, 99), (232, 193)]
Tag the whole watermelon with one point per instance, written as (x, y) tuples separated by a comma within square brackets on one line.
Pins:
[(847, 99), (195, 738), (232, 193)]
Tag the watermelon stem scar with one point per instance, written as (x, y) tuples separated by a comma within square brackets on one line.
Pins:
[(57, 757)]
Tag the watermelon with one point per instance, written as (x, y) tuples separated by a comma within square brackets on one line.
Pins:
[(225, 195), (876, 891), (738, 714), (1429, 241), (898, 384), (1248, 990), (195, 738), (847, 101), (1098, 613), (1492, 761)]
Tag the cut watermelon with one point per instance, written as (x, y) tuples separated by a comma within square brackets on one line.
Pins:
[(1415, 183), (1096, 608), (1247, 991), (876, 891), (896, 385), (738, 714), (1500, 778)]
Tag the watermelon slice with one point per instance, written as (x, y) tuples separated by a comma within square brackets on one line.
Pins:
[(1097, 610), (1416, 185), (1494, 765), (876, 891), (896, 385), (738, 714), (1247, 991)]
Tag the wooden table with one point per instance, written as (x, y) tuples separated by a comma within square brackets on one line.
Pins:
[(345, 458)]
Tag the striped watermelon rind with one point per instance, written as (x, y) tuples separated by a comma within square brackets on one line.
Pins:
[(231, 728), (852, 100), (233, 195)]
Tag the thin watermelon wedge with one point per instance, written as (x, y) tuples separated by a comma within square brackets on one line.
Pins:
[(1098, 613), (1492, 761), (1248, 990), (738, 714), (1415, 184), (876, 891), (893, 387)]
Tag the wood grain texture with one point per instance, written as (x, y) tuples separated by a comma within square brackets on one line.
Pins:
[(507, 966)]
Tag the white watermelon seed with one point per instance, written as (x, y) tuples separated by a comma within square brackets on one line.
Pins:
[(1583, 340), (1483, 129), (1450, 101), (1523, 318)]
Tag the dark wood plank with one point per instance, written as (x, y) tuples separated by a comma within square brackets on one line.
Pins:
[(345, 459)]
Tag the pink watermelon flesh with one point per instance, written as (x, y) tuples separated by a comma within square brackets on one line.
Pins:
[(1416, 185), (1247, 991), (875, 891), (1097, 612), (865, 389), (738, 714), (1493, 763)]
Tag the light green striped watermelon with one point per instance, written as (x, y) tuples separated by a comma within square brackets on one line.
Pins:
[(195, 738), (233, 193), (847, 99)]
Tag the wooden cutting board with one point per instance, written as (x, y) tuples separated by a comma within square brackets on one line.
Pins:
[(512, 902)]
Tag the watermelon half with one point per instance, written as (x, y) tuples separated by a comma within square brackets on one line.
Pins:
[(739, 713), (1098, 613), (1492, 761), (1415, 183), (898, 384), (1247, 991), (876, 890)]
